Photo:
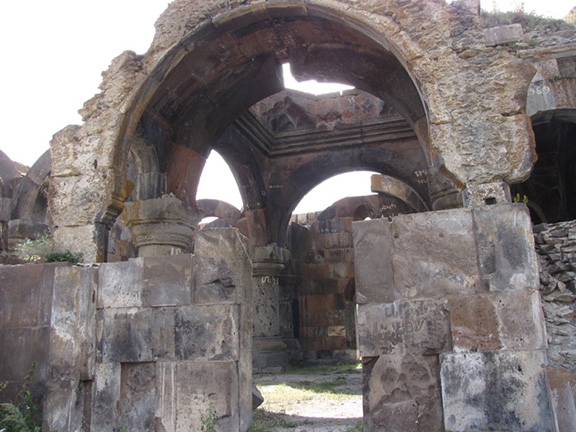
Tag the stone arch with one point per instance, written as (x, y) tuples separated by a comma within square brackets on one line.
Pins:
[(553, 180), (282, 202), (220, 50), (219, 209)]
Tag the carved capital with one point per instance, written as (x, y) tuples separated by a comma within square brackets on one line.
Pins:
[(269, 260), (161, 226)]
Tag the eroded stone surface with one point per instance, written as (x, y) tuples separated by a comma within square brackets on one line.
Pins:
[(402, 393), (503, 391)]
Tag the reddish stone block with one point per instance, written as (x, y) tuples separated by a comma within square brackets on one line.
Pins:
[(474, 323)]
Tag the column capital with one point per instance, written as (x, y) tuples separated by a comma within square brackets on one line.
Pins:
[(269, 260), (160, 226)]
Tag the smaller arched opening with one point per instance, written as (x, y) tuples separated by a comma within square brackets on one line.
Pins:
[(551, 187)]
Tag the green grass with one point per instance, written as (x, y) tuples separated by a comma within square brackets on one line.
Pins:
[(324, 369), (264, 421)]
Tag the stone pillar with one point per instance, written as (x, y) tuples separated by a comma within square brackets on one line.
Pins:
[(451, 330), (269, 349), (161, 226)]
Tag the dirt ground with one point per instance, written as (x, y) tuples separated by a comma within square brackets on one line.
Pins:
[(327, 401)]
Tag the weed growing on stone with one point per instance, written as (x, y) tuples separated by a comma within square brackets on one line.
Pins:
[(22, 416), (209, 420), (45, 249)]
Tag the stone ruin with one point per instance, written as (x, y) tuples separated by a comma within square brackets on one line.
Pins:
[(433, 281)]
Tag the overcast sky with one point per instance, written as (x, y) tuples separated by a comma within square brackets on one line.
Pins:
[(53, 52)]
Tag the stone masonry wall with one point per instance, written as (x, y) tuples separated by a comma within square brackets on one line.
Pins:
[(556, 248), (149, 344), (451, 329), (327, 323)]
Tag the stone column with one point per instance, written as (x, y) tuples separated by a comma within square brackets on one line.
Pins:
[(269, 350), (161, 226)]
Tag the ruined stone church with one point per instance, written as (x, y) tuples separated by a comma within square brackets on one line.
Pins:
[(454, 283)]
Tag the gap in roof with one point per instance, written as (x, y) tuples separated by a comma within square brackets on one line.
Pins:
[(312, 86)]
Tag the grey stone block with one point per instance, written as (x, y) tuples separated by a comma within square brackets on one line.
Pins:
[(73, 328), (435, 255), (506, 247), (137, 402), (222, 266), (503, 391), (107, 384), (405, 326), (126, 335), (189, 390), (207, 333), (380, 329), (167, 280), (26, 295), (120, 284), (373, 261)]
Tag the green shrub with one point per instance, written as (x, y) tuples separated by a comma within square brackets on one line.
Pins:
[(23, 415)]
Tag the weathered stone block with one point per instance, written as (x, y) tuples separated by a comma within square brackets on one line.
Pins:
[(20, 348), (373, 249), (503, 34), (563, 389), (490, 322), (506, 247), (120, 284), (167, 281), (204, 387), (380, 329), (426, 326), (126, 335), (137, 402), (521, 320), (503, 391), (107, 384), (425, 262), (73, 323), (26, 295), (402, 393), (405, 326), (474, 324), (207, 333), (222, 267)]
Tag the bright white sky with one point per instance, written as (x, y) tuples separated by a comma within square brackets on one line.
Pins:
[(55, 50)]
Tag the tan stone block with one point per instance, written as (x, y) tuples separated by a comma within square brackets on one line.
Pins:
[(474, 323), (426, 262)]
